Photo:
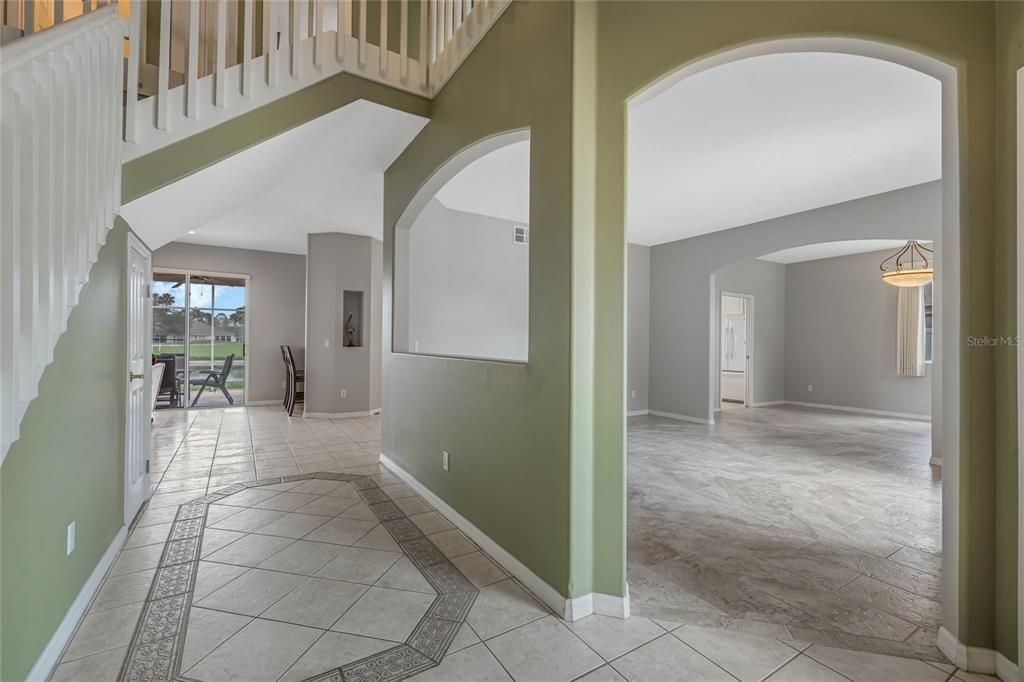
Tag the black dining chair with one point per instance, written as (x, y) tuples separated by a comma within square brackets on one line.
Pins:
[(295, 377), (168, 383), (214, 378)]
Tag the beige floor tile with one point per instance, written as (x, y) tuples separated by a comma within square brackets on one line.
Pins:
[(219, 512), (861, 666), (317, 487), (251, 593), (294, 525), (480, 570), (384, 614), (248, 520), (666, 658), (173, 499), (544, 650), (359, 511), (327, 505), (397, 491), (249, 497), (318, 602), (453, 543), (501, 607), (286, 501), (359, 565), (341, 531), (413, 505), (138, 559), (207, 630), (155, 516), (431, 522), (473, 664), (972, 677), (333, 650), (177, 485), (378, 538), (260, 652), (803, 669), (463, 638), (613, 637), (148, 535), (748, 657), (211, 577), (214, 539), (303, 557), (605, 673), (250, 550), (103, 631), (101, 667), (345, 490), (121, 590), (403, 575)]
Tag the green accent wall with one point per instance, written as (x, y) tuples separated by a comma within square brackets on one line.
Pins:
[(1009, 59), (68, 465), (181, 159), (507, 426)]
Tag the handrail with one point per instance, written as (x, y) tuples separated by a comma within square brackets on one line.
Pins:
[(35, 44)]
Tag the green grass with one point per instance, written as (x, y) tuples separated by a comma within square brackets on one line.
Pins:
[(201, 351)]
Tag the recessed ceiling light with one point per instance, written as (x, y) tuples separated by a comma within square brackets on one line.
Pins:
[(191, 231)]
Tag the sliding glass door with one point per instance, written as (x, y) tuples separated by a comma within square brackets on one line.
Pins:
[(199, 332)]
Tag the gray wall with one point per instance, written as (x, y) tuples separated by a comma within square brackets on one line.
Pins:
[(767, 282), (465, 289), (841, 338), (274, 305), (337, 263), (638, 321), (683, 308)]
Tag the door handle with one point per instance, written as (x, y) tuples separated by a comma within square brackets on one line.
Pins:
[(132, 376)]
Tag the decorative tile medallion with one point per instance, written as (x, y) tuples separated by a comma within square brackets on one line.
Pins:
[(156, 647)]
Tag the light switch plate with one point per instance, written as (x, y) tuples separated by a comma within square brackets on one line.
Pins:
[(444, 460), (71, 538)]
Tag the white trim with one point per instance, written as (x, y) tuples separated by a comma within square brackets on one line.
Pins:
[(336, 415), (681, 417), (862, 410), (768, 403), (637, 413), (749, 342), (133, 242), (50, 656), (976, 659), (262, 403), (570, 609), (1020, 364)]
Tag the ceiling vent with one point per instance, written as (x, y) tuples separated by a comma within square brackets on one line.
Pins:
[(520, 234)]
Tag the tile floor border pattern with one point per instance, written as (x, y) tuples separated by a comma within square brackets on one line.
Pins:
[(158, 641)]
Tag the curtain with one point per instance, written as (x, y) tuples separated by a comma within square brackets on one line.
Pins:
[(910, 332)]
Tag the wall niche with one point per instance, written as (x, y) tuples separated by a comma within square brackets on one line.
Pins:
[(352, 319)]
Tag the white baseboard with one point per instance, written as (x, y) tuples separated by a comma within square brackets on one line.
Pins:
[(570, 609), (976, 659), (50, 656), (260, 403), (336, 415), (681, 417), (636, 413), (862, 410), (768, 403)]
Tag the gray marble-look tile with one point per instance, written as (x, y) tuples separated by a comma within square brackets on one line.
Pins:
[(667, 658), (102, 631), (472, 664), (260, 652)]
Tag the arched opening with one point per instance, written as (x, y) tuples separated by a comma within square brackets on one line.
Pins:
[(732, 556), (462, 258)]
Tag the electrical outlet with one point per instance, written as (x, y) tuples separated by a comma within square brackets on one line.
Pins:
[(327, 343), (342, 393), (810, 389), (632, 394), (71, 538), (444, 460)]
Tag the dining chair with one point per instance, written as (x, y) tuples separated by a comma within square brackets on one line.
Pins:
[(214, 378)]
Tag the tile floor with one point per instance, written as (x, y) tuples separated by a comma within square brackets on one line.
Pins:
[(294, 579), (823, 525)]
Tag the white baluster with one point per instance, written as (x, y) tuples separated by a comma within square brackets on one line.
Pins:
[(423, 43), (28, 16), (247, 40), (192, 67), (164, 65), (362, 33), (383, 36), (403, 42), (132, 96), (318, 22), (344, 27), (10, 270), (296, 36), (270, 42)]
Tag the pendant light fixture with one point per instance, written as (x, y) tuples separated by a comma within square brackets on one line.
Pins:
[(911, 266)]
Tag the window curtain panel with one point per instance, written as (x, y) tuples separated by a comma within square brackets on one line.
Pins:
[(910, 332)]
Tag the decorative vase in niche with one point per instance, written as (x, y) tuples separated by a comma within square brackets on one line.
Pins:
[(351, 339)]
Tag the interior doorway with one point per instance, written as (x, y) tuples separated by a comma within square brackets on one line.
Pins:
[(200, 332), (735, 340), (139, 401)]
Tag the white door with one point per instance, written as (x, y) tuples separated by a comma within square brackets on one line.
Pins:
[(140, 407)]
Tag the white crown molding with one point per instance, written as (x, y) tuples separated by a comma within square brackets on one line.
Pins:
[(570, 609)]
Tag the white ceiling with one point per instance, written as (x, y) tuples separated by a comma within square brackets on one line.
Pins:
[(497, 185), (774, 135), (832, 250), (324, 176)]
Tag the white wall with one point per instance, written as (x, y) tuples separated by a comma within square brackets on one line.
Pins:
[(638, 338), (841, 338), (683, 308), (465, 289), (274, 305), (767, 283)]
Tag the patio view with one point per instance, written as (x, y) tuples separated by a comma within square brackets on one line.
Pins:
[(203, 350)]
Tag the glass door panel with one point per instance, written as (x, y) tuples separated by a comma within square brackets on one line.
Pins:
[(169, 335)]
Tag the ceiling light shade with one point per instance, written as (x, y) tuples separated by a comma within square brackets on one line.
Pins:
[(911, 266)]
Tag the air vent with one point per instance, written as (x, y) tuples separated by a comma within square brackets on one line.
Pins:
[(520, 234)]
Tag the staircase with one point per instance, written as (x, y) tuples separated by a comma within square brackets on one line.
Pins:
[(61, 177), (87, 86)]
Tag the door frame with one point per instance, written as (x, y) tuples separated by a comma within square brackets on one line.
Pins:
[(1020, 371), (748, 366), (134, 243), (188, 272)]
